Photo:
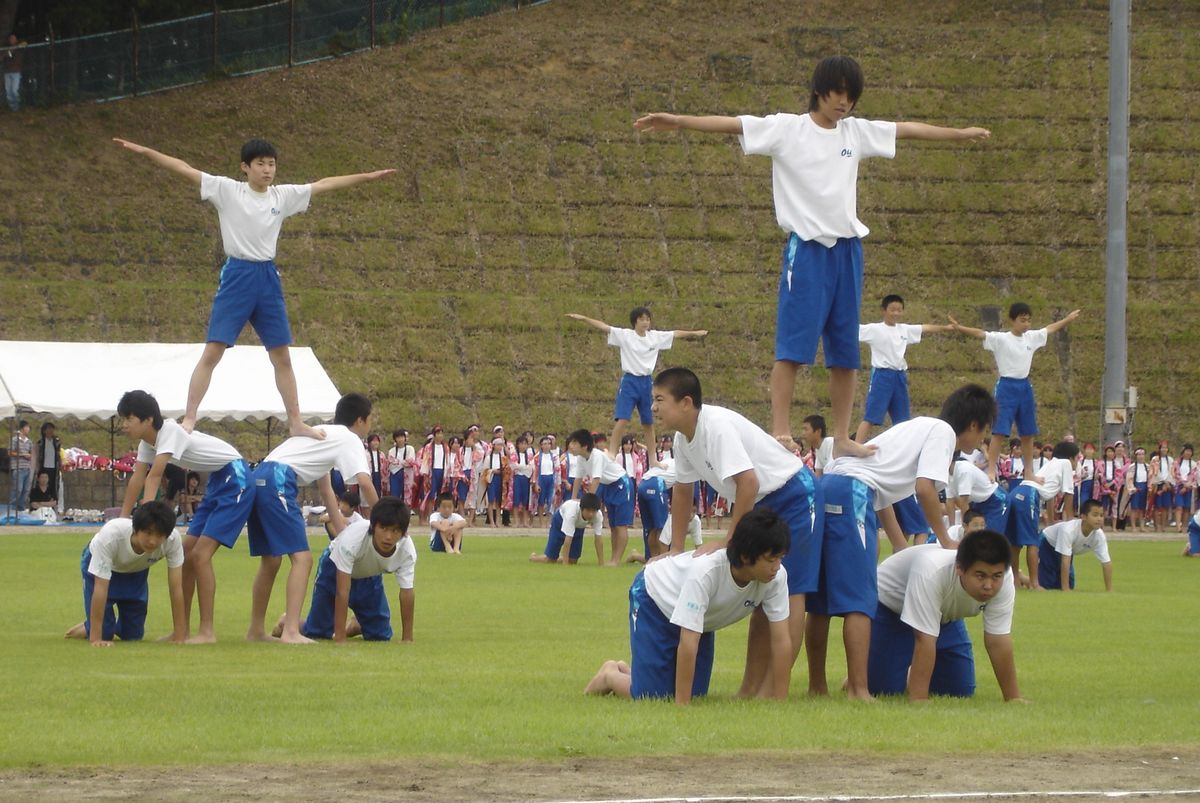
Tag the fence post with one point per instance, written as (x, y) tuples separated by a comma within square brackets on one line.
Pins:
[(441, 13), (371, 22), (291, 31), (50, 29), (135, 53), (215, 34)]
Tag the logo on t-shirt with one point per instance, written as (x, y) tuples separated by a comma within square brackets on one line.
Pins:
[(847, 152), (748, 603), (275, 211)]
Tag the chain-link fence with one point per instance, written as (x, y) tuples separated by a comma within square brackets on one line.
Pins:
[(162, 55)]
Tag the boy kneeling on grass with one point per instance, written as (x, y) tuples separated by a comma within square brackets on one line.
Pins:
[(116, 565), (678, 602)]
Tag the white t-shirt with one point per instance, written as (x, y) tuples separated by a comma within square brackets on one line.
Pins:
[(1164, 463), (311, 459), (545, 464), (955, 531), (436, 518), (195, 451), (353, 517), (976, 457), (921, 585), (572, 521), (693, 532), (888, 343), (1058, 477), (250, 221), (1014, 355), (574, 464), (112, 551), (667, 472), (601, 466), (437, 456), (823, 454), (699, 593), (354, 553), (401, 454), (814, 170), (969, 480), (1067, 538), (639, 354), (721, 447), (919, 447)]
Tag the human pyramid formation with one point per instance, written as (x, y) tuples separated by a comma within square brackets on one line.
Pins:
[(801, 545)]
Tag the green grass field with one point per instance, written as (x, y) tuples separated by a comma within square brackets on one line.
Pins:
[(502, 651)]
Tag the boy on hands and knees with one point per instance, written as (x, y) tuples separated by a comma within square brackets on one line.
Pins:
[(251, 214), (1062, 541), (814, 160), (116, 565), (912, 457), (276, 523), (609, 482), (676, 604), (564, 544), (753, 470), (221, 515), (919, 641), (1025, 508)]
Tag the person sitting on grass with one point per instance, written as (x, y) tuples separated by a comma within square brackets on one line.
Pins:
[(564, 544), (446, 526), (677, 603), (115, 566), (919, 642), (1062, 541)]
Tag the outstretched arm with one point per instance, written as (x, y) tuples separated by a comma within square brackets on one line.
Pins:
[(177, 166), (927, 131), (936, 328), (966, 330), (601, 325), (340, 182), (661, 121), (1062, 322), (691, 334)]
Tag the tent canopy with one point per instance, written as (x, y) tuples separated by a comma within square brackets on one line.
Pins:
[(86, 380)]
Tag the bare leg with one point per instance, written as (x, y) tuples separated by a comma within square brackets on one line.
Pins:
[(1027, 454), (285, 380), (80, 630), (297, 586), (620, 537), (197, 563), (277, 630), (260, 596), (816, 638), (862, 434), (620, 425), (796, 625), (201, 377), (856, 635), (648, 435), (353, 627), (993, 455), (1031, 561), (841, 399), (783, 388), (614, 677)]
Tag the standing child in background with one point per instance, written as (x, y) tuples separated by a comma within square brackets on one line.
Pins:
[(251, 214), (522, 480), (1013, 351), (493, 478), (375, 462), (639, 355), (1111, 478), (1162, 473), (401, 466), (476, 457), (887, 391), (1137, 489), (1025, 506), (608, 481), (1011, 470), (1185, 485), (434, 458), (546, 471), (564, 542), (814, 162), (1086, 485), (446, 526), (1061, 542), (630, 459)]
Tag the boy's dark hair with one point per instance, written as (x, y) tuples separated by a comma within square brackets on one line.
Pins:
[(156, 517), (192, 475), (399, 433), (1066, 450), (760, 532), (140, 404), (638, 312), (445, 496), (350, 408), (544, 439), (583, 438), (351, 498), (589, 502), (256, 148), (817, 422), (680, 383), (891, 299), (970, 516), (46, 426), (983, 546), (970, 404), (22, 424), (1018, 309), (833, 74), (390, 512), (1089, 505)]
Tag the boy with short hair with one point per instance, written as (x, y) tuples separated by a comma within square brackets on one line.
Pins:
[(276, 525), (446, 527), (911, 458), (608, 481), (814, 160), (220, 516), (887, 391), (564, 543), (753, 470), (639, 347), (116, 565), (1025, 508), (919, 641), (972, 521), (1062, 541), (676, 605), (1013, 351), (349, 501), (251, 214), (812, 435)]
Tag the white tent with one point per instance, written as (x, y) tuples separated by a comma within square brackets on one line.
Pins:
[(86, 380)]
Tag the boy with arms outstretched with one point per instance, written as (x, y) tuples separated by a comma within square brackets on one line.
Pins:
[(276, 523), (220, 516), (814, 160), (639, 355), (676, 604), (564, 543), (251, 214), (116, 565), (1062, 541)]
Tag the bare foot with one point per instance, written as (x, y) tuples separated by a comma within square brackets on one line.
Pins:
[(844, 447), (171, 637), (298, 428), (260, 635), (80, 631), (277, 630), (788, 443), (202, 638), (860, 696), (818, 691), (188, 422), (288, 638), (353, 628)]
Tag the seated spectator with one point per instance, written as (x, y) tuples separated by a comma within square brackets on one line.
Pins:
[(42, 494), (191, 496)]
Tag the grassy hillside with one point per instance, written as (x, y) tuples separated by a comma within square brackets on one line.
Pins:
[(523, 193)]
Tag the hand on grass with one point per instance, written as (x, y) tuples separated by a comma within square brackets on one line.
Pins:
[(102, 643), (975, 134)]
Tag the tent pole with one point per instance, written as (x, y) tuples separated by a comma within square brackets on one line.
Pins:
[(268, 434), (112, 451)]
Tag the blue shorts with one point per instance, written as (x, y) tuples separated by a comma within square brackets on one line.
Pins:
[(396, 485), (495, 485), (887, 394), (226, 506), (1137, 500), (276, 525), (1085, 490), (849, 553), (911, 517), (520, 491), (128, 593), (1163, 498), (634, 392), (1193, 538), (820, 294), (652, 502), (654, 645), (367, 600), (1183, 499), (1015, 405), (994, 510), (249, 292), (800, 503), (556, 538), (618, 498), (1024, 510), (545, 497), (1050, 567), (461, 489), (436, 477), (892, 644)]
